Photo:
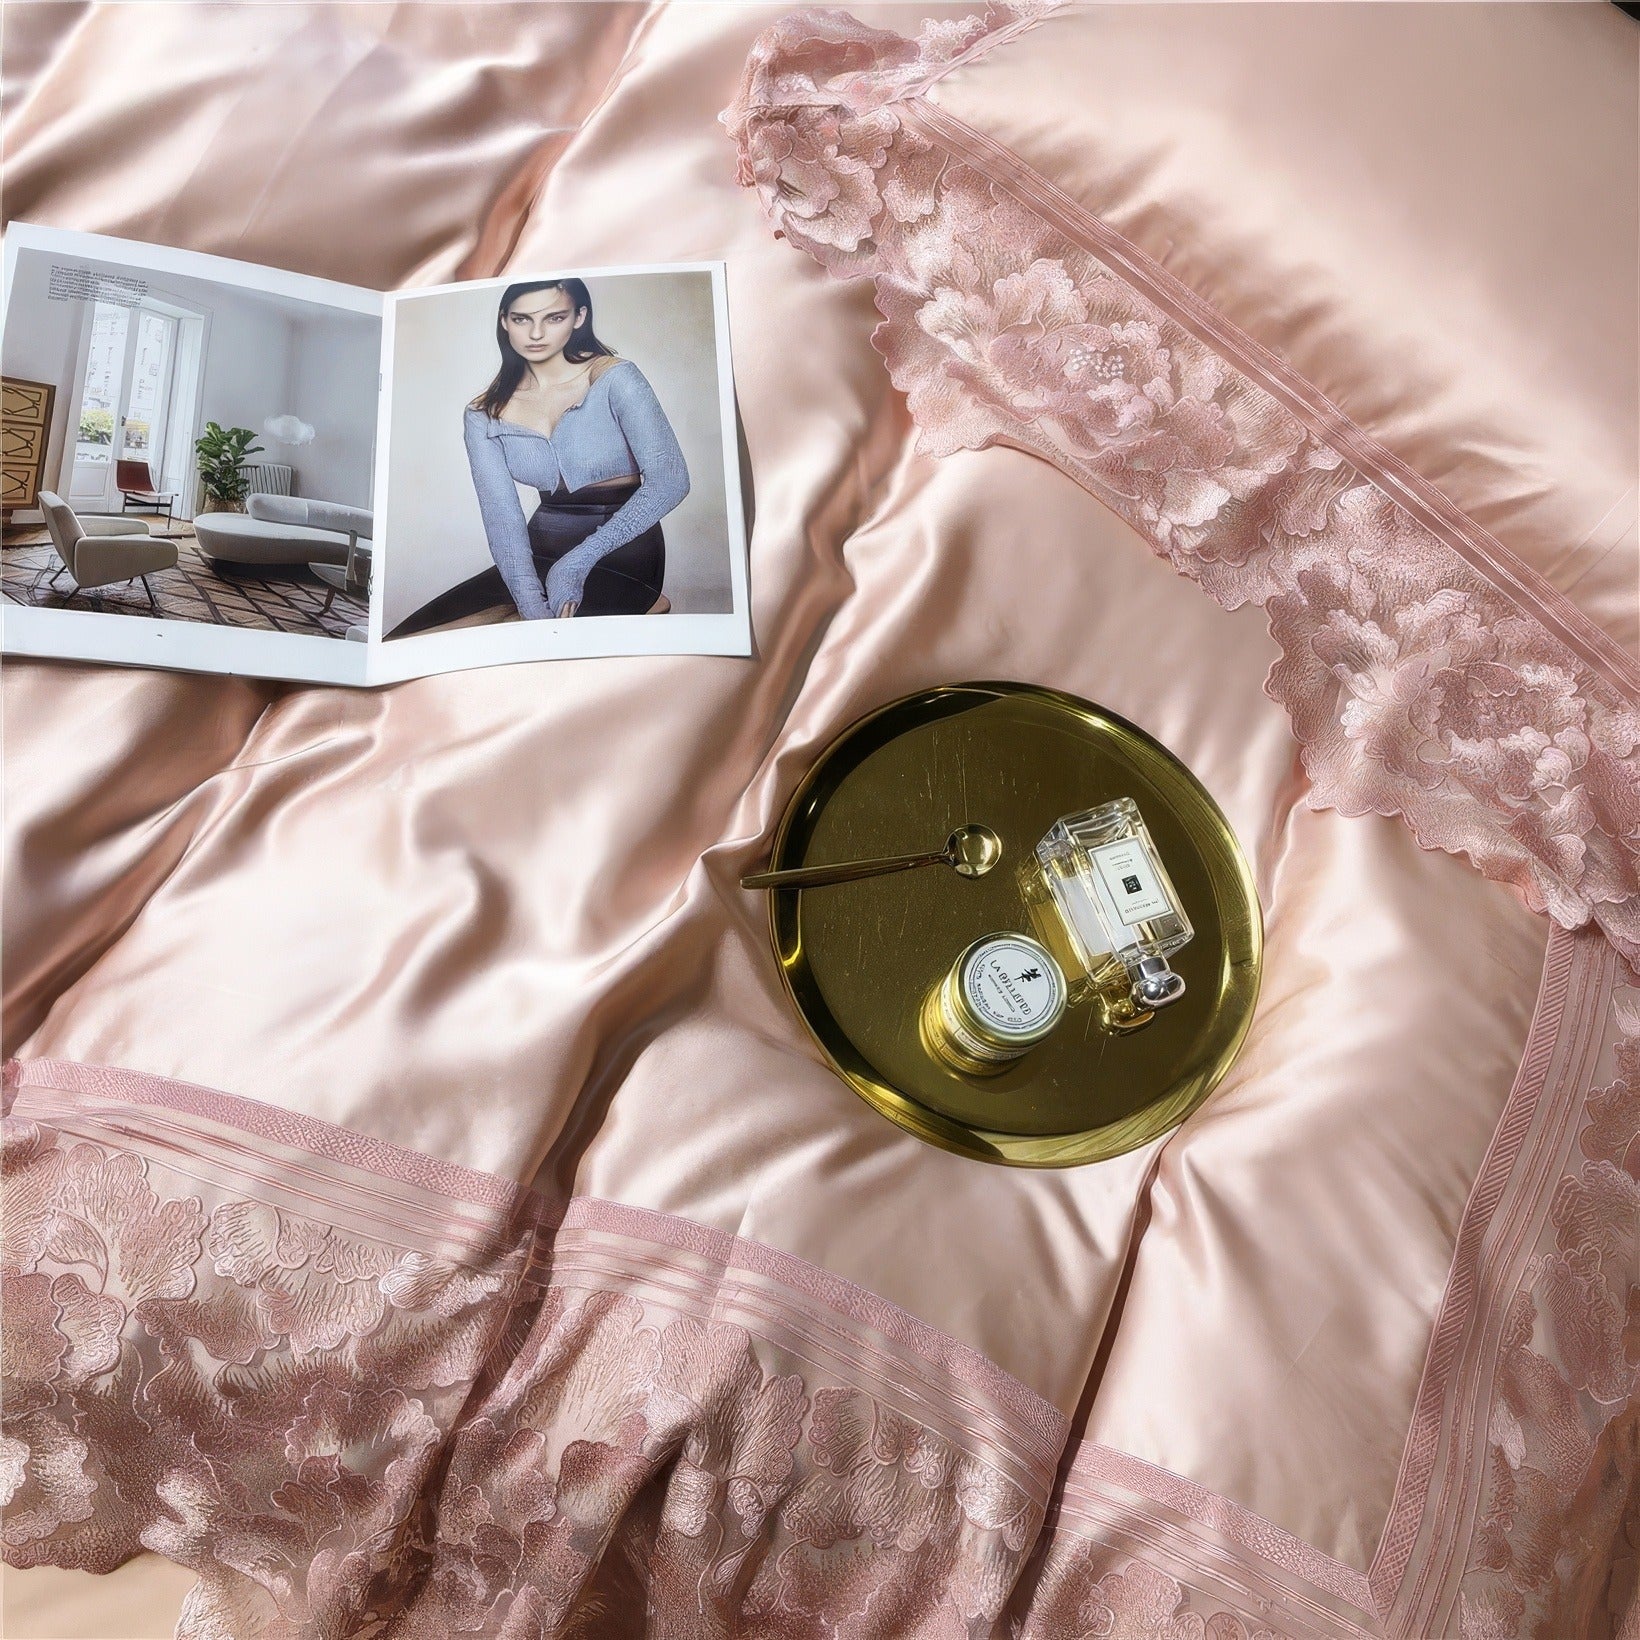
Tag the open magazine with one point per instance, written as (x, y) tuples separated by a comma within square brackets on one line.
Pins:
[(230, 468)]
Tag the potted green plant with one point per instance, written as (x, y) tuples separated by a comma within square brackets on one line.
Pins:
[(222, 451)]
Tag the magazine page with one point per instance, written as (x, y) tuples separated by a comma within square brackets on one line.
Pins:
[(190, 459), (559, 473)]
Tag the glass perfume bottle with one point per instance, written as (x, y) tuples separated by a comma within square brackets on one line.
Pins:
[(1102, 899)]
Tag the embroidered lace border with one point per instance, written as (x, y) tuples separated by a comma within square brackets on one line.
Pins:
[(1427, 673), (361, 1392)]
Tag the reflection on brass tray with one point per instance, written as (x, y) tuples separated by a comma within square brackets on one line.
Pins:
[(859, 959)]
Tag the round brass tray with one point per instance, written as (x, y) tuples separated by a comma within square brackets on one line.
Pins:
[(859, 957)]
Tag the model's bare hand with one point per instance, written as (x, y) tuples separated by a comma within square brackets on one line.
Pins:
[(568, 610)]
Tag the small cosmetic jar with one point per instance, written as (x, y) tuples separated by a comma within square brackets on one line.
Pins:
[(1002, 996)]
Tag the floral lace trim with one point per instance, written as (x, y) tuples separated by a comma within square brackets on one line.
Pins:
[(1518, 1511), (1088, 1587), (609, 1417), (1166, 1557), (595, 1414), (1518, 1506), (1456, 691), (819, 1312), (1100, 1477), (1557, 1546), (593, 1420)]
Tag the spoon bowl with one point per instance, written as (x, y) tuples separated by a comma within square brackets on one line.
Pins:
[(973, 850)]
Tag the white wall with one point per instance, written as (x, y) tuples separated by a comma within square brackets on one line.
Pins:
[(335, 363), (247, 355), (41, 340), (444, 354), (265, 356)]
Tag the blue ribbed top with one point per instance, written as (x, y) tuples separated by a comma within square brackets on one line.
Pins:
[(616, 429)]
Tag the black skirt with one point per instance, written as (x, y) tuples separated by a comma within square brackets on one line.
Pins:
[(626, 581)]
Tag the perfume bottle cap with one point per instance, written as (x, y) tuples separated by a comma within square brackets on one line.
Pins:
[(1157, 984)]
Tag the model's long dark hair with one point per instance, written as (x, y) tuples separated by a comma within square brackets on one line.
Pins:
[(583, 342)]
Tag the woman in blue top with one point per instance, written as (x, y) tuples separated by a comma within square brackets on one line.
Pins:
[(583, 426)]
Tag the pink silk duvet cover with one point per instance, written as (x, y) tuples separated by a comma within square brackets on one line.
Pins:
[(425, 1217)]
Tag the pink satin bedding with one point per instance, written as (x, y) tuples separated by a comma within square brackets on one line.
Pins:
[(427, 1217)]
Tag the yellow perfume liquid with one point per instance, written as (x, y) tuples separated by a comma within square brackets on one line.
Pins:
[(1101, 897)]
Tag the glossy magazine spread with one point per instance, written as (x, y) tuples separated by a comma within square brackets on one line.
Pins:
[(234, 468)]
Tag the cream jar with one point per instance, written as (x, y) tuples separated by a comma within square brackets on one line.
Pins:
[(1002, 996)]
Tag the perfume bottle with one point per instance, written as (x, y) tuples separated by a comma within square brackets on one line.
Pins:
[(1002, 996), (1099, 891)]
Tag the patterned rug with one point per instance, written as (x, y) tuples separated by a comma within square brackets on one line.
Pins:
[(269, 598)]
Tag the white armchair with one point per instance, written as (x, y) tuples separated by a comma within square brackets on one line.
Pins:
[(99, 552)]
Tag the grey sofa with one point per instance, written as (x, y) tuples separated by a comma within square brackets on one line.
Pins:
[(278, 529)]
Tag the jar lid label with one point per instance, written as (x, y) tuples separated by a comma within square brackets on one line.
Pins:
[(1012, 987)]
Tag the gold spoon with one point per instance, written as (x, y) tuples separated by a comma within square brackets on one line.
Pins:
[(970, 851)]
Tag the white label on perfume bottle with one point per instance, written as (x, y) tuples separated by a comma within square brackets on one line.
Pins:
[(1126, 872), (1011, 988)]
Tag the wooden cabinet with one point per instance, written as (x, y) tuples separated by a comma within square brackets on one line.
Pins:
[(25, 424)]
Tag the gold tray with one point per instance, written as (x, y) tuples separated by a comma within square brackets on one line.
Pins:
[(859, 957)]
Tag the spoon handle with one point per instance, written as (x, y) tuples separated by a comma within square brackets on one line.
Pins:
[(845, 871)]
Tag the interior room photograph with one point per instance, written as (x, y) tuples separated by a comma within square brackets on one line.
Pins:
[(179, 448)]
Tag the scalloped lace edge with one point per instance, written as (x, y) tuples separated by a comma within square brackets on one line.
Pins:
[(1449, 687)]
